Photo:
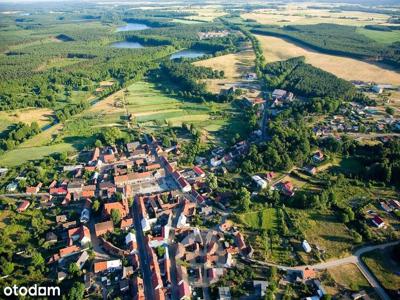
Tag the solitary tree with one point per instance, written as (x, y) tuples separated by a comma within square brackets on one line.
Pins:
[(115, 216)]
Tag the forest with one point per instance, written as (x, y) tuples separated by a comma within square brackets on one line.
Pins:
[(306, 80)]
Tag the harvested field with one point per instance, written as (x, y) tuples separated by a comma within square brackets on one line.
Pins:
[(235, 66), (276, 49), (42, 116), (301, 14)]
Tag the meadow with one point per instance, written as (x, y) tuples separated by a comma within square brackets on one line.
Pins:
[(384, 268), (149, 106), (276, 49), (349, 277), (264, 219), (383, 37), (325, 230)]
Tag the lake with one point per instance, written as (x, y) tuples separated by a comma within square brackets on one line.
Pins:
[(133, 26), (127, 45), (188, 53)]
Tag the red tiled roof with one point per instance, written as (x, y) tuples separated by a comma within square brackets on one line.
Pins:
[(378, 220), (87, 194), (153, 167), (104, 227), (68, 250), (58, 190), (108, 207), (182, 182), (23, 206), (184, 290), (198, 171), (100, 266), (109, 158)]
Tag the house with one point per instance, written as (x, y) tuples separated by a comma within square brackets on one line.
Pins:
[(306, 246), (126, 223), (184, 291), (80, 234), (184, 185), (70, 250), (3, 172), (377, 89), (287, 189), (360, 295), (103, 228), (30, 190), (318, 157), (378, 222), (278, 94), (83, 258), (311, 170), (199, 172), (385, 207), (260, 286), (308, 273), (12, 186), (122, 207), (51, 237), (224, 293), (130, 241), (109, 265), (61, 276), (261, 183), (23, 206)]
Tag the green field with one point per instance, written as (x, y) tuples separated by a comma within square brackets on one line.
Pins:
[(263, 219), (150, 107), (148, 104), (383, 37), (384, 267), (20, 155), (323, 229)]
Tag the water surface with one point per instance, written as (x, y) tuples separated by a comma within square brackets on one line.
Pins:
[(127, 45), (188, 53), (133, 26)]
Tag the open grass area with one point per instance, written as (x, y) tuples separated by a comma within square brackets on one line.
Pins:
[(20, 155), (42, 116), (384, 267), (263, 219), (148, 104), (58, 63), (348, 277), (383, 37), (276, 49), (324, 230)]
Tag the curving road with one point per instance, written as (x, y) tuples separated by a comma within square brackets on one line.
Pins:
[(352, 259)]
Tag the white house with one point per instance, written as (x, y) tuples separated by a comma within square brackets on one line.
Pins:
[(261, 183), (306, 246)]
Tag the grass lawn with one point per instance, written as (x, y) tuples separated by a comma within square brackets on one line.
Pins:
[(263, 219), (324, 230), (383, 37), (20, 155), (384, 267)]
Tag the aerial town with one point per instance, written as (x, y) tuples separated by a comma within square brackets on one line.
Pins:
[(200, 150)]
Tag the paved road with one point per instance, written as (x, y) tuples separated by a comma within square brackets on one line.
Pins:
[(354, 259), (143, 255)]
